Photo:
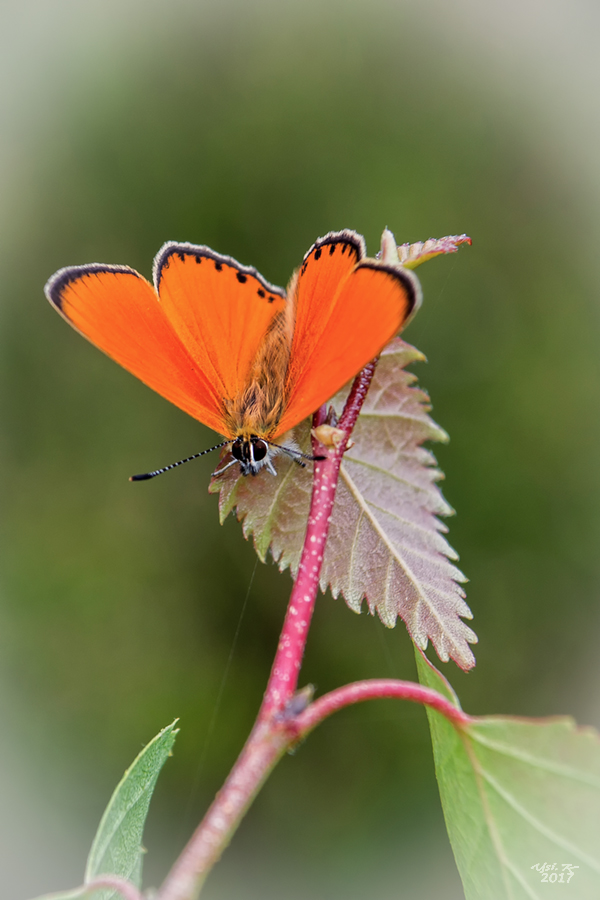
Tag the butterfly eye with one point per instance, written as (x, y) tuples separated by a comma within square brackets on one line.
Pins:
[(249, 452), (260, 449), (237, 451)]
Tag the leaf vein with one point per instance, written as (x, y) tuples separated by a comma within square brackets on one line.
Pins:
[(391, 549), (537, 824), (417, 488), (547, 765)]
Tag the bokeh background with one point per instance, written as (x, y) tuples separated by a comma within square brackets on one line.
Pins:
[(255, 127)]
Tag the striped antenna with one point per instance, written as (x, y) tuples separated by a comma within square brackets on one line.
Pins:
[(174, 465), (296, 453)]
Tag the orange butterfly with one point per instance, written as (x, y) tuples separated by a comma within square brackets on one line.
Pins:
[(240, 355)]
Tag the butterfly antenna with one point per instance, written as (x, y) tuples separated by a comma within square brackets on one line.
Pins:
[(296, 453), (174, 465)]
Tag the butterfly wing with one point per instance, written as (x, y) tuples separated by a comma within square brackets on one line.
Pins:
[(347, 307), (117, 310), (219, 309), (195, 344)]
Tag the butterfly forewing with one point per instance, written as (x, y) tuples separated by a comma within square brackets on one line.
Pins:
[(219, 309), (118, 311), (369, 306), (327, 264)]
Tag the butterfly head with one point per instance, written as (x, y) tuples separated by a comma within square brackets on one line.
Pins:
[(252, 453)]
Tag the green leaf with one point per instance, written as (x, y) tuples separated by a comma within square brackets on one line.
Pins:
[(117, 847), (386, 543), (521, 799)]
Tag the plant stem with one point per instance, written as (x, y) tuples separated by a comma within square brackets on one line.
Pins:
[(263, 749), (283, 679), (273, 732), (375, 689), (292, 642)]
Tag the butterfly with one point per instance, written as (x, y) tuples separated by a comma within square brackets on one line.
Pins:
[(246, 358)]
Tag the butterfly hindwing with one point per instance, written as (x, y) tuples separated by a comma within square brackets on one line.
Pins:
[(117, 310), (219, 309)]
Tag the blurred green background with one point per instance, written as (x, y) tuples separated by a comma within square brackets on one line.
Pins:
[(254, 128)]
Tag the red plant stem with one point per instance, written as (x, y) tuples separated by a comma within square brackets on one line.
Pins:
[(375, 689), (292, 640), (263, 749), (273, 732), (290, 651)]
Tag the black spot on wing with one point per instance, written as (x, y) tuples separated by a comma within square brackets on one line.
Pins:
[(349, 241), (56, 285), (200, 252)]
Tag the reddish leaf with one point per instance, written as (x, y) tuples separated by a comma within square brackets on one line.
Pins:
[(412, 255), (386, 542)]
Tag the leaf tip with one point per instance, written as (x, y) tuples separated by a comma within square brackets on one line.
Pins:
[(466, 659)]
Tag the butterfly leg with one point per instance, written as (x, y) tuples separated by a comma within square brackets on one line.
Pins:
[(224, 469)]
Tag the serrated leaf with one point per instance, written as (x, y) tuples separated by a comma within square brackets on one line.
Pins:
[(117, 847), (518, 795), (413, 255), (386, 542)]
